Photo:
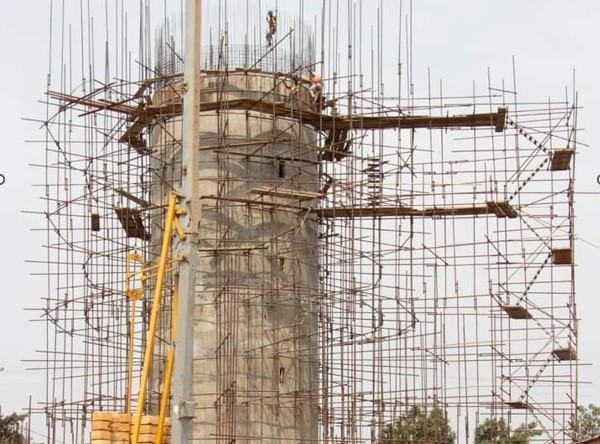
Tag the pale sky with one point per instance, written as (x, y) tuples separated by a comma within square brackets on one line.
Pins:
[(457, 39)]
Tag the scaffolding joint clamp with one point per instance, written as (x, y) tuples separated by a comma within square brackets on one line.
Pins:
[(185, 410)]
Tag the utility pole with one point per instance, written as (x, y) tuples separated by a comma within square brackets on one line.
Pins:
[(183, 402)]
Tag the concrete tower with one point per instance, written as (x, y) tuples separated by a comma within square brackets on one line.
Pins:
[(255, 331)]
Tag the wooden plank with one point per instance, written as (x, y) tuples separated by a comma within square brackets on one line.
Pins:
[(519, 405), (132, 137), (501, 119), (517, 312), (561, 159), (95, 221), (501, 209), (326, 122), (562, 256), (401, 211), (565, 354), (132, 223), (253, 202), (285, 193), (336, 139)]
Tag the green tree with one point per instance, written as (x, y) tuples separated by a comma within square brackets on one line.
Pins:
[(10, 429), (588, 421), (496, 431), (419, 426)]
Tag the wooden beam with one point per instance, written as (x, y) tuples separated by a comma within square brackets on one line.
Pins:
[(286, 194), (327, 122), (405, 211), (137, 200), (260, 203)]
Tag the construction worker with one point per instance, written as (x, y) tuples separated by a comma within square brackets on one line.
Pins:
[(316, 91), (272, 21), (295, 88)]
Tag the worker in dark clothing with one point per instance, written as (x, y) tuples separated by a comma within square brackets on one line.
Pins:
[(295, 87), (272, 21)]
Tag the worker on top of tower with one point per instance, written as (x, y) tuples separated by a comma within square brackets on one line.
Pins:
[(272, 21)]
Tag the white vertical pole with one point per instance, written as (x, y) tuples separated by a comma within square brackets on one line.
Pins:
[(182, 402)]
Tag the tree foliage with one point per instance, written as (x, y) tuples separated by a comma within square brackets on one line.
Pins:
[(588, 421), (419, 426), (10, 429), (497, 431)]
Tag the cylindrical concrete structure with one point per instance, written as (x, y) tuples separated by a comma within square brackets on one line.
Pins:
[(255, 335)]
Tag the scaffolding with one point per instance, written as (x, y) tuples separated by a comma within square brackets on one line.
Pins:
[(360, 262)]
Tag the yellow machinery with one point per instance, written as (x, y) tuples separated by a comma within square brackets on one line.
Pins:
[(142, 274)]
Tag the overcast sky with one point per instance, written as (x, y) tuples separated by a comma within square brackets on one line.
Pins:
[(457, 39)]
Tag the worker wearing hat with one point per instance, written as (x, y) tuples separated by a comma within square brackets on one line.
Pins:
[(272, 22)]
